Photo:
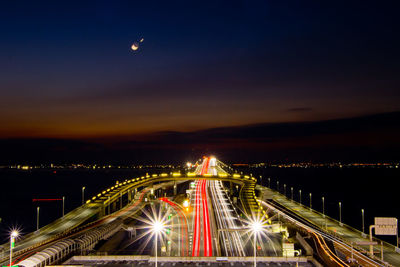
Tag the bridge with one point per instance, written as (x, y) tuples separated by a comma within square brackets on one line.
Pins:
[(206, 215)]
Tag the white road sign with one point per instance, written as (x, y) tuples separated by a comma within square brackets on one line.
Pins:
[(385, 226)]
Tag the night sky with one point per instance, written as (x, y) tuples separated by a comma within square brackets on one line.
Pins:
[(68, 71)]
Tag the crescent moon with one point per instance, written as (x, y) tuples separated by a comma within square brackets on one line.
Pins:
[(135, 47)]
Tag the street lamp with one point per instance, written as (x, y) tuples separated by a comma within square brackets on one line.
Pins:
[(109, 205), (310, 201), (269, 182), (291, 189), (284, 189), (37, 218), (323, 206), (277, 186), (256, 227), (157, 228), (14, 234), (83, 194), (300, 196), (362, 218), (63, 206), (340, 213)]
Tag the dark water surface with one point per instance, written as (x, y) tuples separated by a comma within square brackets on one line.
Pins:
[(376, 190)]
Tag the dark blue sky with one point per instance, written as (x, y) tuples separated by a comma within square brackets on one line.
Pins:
[(67, 69)]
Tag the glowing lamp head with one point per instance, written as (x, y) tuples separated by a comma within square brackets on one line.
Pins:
[(158, 227), (14, 233), (256, 227), (186, 203)]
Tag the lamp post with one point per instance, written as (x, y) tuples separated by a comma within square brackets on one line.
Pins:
[(37, 218), (340, 213), (310, 201), (291, 190), (157, 228), (63, 207), (269, 182), (277, 186), (109, 205), (256, 228), (300, 196), (323, 206), (362, 218), (83, 194), (284, 189), (13, 235)]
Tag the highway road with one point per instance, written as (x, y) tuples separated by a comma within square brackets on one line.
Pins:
[(228, 224), (218, 229), (212, 226)]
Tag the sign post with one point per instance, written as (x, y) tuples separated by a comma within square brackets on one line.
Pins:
[(383, 226)]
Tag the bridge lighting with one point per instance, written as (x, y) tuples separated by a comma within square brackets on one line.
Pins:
[(13, 235), (155, 223), (158, 227), (257, 225)]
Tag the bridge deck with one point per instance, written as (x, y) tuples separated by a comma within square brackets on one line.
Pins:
[(332, 226)]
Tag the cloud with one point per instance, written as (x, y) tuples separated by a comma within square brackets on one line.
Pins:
[(373, 137)]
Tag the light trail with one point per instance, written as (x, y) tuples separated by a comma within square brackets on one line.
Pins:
[(206, 224), (184, 225), (196, 232), (201, 226), (231, 240), (205, 164)]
